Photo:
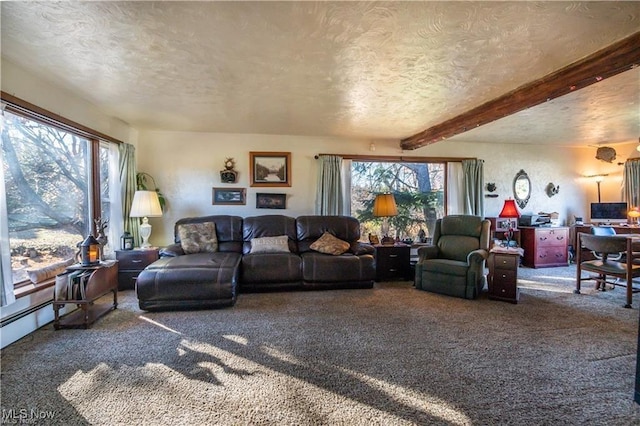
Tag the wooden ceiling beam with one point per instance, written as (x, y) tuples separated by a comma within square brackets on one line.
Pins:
[(612, 60)]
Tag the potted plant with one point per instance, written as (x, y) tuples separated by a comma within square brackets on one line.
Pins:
[(142, 183)]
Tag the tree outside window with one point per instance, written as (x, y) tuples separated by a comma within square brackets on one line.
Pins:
[(47, 182), (418, 189)]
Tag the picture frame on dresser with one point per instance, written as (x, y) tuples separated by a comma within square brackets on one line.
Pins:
[(506, 223)]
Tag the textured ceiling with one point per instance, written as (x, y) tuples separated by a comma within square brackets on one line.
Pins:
[(373, 70)]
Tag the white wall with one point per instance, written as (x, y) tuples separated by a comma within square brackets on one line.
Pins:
[(25, 85), (186, 166)]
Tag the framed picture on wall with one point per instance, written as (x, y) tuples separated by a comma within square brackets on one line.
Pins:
[(271, 201), (270, 168), (229, 196)]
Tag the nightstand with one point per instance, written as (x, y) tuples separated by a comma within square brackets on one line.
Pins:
[(503, 276), (393, 262), (131, 263)]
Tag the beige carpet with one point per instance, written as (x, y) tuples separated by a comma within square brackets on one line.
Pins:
[(390, 355)]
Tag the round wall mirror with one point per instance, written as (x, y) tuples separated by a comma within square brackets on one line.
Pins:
[(521, 188)]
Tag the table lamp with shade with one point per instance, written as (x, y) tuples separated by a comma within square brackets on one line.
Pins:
[(145, 204), (634, 215), (509, 211), (385, 207)]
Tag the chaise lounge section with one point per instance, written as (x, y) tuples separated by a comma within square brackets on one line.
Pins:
[(259, 253)]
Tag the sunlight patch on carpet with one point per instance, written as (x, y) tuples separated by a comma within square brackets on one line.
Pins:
[(428, 404), (237, 339), (535, 285), (157, 324)]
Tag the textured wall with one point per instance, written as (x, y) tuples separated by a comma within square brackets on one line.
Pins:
[(186, 166)]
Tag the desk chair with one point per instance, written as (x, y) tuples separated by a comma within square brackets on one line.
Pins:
[(604, 230), (607, 245)]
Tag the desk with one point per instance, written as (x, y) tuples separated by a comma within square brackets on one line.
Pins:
[(103, 279), (586, 254)]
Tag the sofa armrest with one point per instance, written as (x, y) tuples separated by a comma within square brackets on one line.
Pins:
[(427, 252), (477, 256), (172, 250), (362, 248)]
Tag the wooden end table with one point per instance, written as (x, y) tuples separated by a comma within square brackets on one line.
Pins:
[(393, 262), (102, 279), (503, 274)]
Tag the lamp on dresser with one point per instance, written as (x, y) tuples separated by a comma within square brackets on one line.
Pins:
[(509, 211), (384, 206), (145, 205), (634, 215)]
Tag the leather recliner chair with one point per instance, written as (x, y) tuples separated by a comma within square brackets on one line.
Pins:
[(454, 265)]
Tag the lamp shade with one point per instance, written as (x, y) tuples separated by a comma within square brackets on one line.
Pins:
[(509, 209), (634, 212), (145, 204), (385, 206)]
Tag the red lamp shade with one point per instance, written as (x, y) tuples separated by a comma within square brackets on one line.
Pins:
[(509, 209)]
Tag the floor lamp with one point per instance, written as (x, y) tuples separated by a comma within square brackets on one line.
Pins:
[(145, 204)]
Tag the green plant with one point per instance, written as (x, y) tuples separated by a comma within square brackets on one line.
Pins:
[(142, 183)]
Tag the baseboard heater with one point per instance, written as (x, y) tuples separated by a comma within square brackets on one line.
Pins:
[(19, 315)]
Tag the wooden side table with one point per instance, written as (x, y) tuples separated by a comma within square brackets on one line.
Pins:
[(102, 279), (393, 262), (503, 276), (131, 263)]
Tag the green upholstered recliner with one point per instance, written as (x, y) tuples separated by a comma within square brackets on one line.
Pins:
[(454, 264)]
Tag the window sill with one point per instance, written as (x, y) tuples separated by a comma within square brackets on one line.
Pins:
[(31, 288)]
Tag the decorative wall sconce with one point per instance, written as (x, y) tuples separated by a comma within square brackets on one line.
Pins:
[(552, 189), (491, 187), (229, 175)]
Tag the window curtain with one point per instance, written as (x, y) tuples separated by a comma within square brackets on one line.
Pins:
[(346, 187), (128, 188), (473, 171), (329, 198), (116, 224), (455, 184), (631, 182), (6, 292)]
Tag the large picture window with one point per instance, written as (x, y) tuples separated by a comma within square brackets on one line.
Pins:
[(51, 203), (418, 188)]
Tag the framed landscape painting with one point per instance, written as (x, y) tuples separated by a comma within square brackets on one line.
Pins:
[(271, 201), (270, 168), (230, 196)]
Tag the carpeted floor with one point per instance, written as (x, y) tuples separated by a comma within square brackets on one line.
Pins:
[(390, 355)]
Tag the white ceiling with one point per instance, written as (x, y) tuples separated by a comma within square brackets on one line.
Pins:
[(372, 70)]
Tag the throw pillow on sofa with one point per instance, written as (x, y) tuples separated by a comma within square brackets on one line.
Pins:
[(198, 237), (329, 244), (279, 244)]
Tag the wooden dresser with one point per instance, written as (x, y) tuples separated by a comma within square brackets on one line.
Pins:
[(545, 246)]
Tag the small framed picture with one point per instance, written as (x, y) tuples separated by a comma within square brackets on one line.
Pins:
[(271, 201), (270, 168), (503, 224), (229, 196), (373, 239)]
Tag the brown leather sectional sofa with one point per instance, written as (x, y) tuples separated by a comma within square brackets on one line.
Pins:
[(213, 279)]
